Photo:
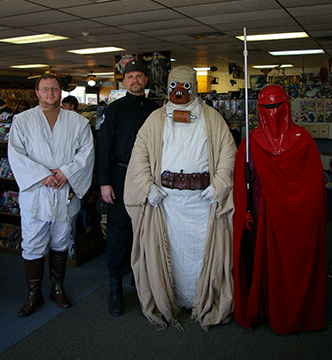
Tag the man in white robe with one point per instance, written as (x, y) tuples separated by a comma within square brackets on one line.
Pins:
[(182, 252), (51, 154)]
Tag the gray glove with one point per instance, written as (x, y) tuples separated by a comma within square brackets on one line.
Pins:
[(208, 193), (156, 195)]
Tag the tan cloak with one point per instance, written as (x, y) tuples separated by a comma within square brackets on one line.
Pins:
[(150, 254)]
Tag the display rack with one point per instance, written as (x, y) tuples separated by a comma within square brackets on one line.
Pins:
[(9, 220), (315, 115), (87, 241)]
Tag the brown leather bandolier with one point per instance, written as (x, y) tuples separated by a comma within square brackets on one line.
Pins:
[(181, 181)]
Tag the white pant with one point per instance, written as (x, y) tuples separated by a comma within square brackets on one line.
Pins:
[(39, 235)]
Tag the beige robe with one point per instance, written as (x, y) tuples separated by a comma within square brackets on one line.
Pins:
[(150, 254)]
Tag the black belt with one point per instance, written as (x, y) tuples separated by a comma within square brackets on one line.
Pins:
[(122, 164)]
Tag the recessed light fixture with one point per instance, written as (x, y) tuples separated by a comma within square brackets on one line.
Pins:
[(272, 66), (280, 36), (29, 66), (33, 39), (95, 50), (297, 52)]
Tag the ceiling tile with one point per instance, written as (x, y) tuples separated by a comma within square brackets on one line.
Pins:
[(42, 17), (296, 3), (58, 4), (175, 31), (112, 8), (75, 28), (158, 25), (243, 16), (139, 17), (17, 7), (258, 27), (226, 8), (323, 20)]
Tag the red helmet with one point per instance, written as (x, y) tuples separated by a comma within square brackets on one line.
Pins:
[(275, 120)]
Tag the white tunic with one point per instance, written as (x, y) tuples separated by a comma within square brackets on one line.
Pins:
[(186, 213), (34, 150)]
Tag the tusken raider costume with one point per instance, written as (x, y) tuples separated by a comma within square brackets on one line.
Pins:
[(178, 192)]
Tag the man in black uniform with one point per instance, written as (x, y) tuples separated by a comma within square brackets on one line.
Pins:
[(116, 137)]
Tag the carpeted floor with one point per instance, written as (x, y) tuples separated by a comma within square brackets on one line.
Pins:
[(86, 331)]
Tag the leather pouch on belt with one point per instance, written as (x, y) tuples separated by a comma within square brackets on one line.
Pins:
[(205, 177), (167, 179), (194, 181), (181, 181)]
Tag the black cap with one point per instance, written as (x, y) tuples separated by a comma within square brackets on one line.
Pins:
[(134, 65)]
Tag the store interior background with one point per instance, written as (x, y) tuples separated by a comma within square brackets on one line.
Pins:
[(197, 33)]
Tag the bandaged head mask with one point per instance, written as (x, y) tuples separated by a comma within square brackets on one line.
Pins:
[(182, 85), (274, 114)]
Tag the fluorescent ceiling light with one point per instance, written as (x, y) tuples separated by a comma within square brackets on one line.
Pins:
[(95, 50), (297, 52), (29, 66), (272, 66), (202, 69), (104, 74), (293, 35), (33, 39), (173, 59)]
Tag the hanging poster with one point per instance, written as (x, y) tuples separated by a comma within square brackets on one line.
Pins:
[(121, 61), (258, 82), (158, 65)]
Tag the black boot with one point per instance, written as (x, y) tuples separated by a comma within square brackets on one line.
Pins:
[(57, 265), (34, 273), (115, 302), (132, 280)]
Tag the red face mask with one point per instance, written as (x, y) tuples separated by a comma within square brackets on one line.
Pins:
[(275, 118)]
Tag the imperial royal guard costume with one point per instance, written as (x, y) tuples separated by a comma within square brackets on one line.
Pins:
[(280, 265)]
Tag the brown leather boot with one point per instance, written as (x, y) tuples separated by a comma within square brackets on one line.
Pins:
[(34, 274), (57, 265)]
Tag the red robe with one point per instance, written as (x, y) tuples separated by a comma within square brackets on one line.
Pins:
[(289, 272)]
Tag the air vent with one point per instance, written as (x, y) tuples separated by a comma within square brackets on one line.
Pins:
[(101, 1), (324, 38), (208, 35)]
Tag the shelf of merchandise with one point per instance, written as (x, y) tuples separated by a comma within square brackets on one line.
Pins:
[(83, 247), (7, 217)]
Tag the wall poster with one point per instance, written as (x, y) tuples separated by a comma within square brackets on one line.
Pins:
[(158, 65), (120, 62)]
